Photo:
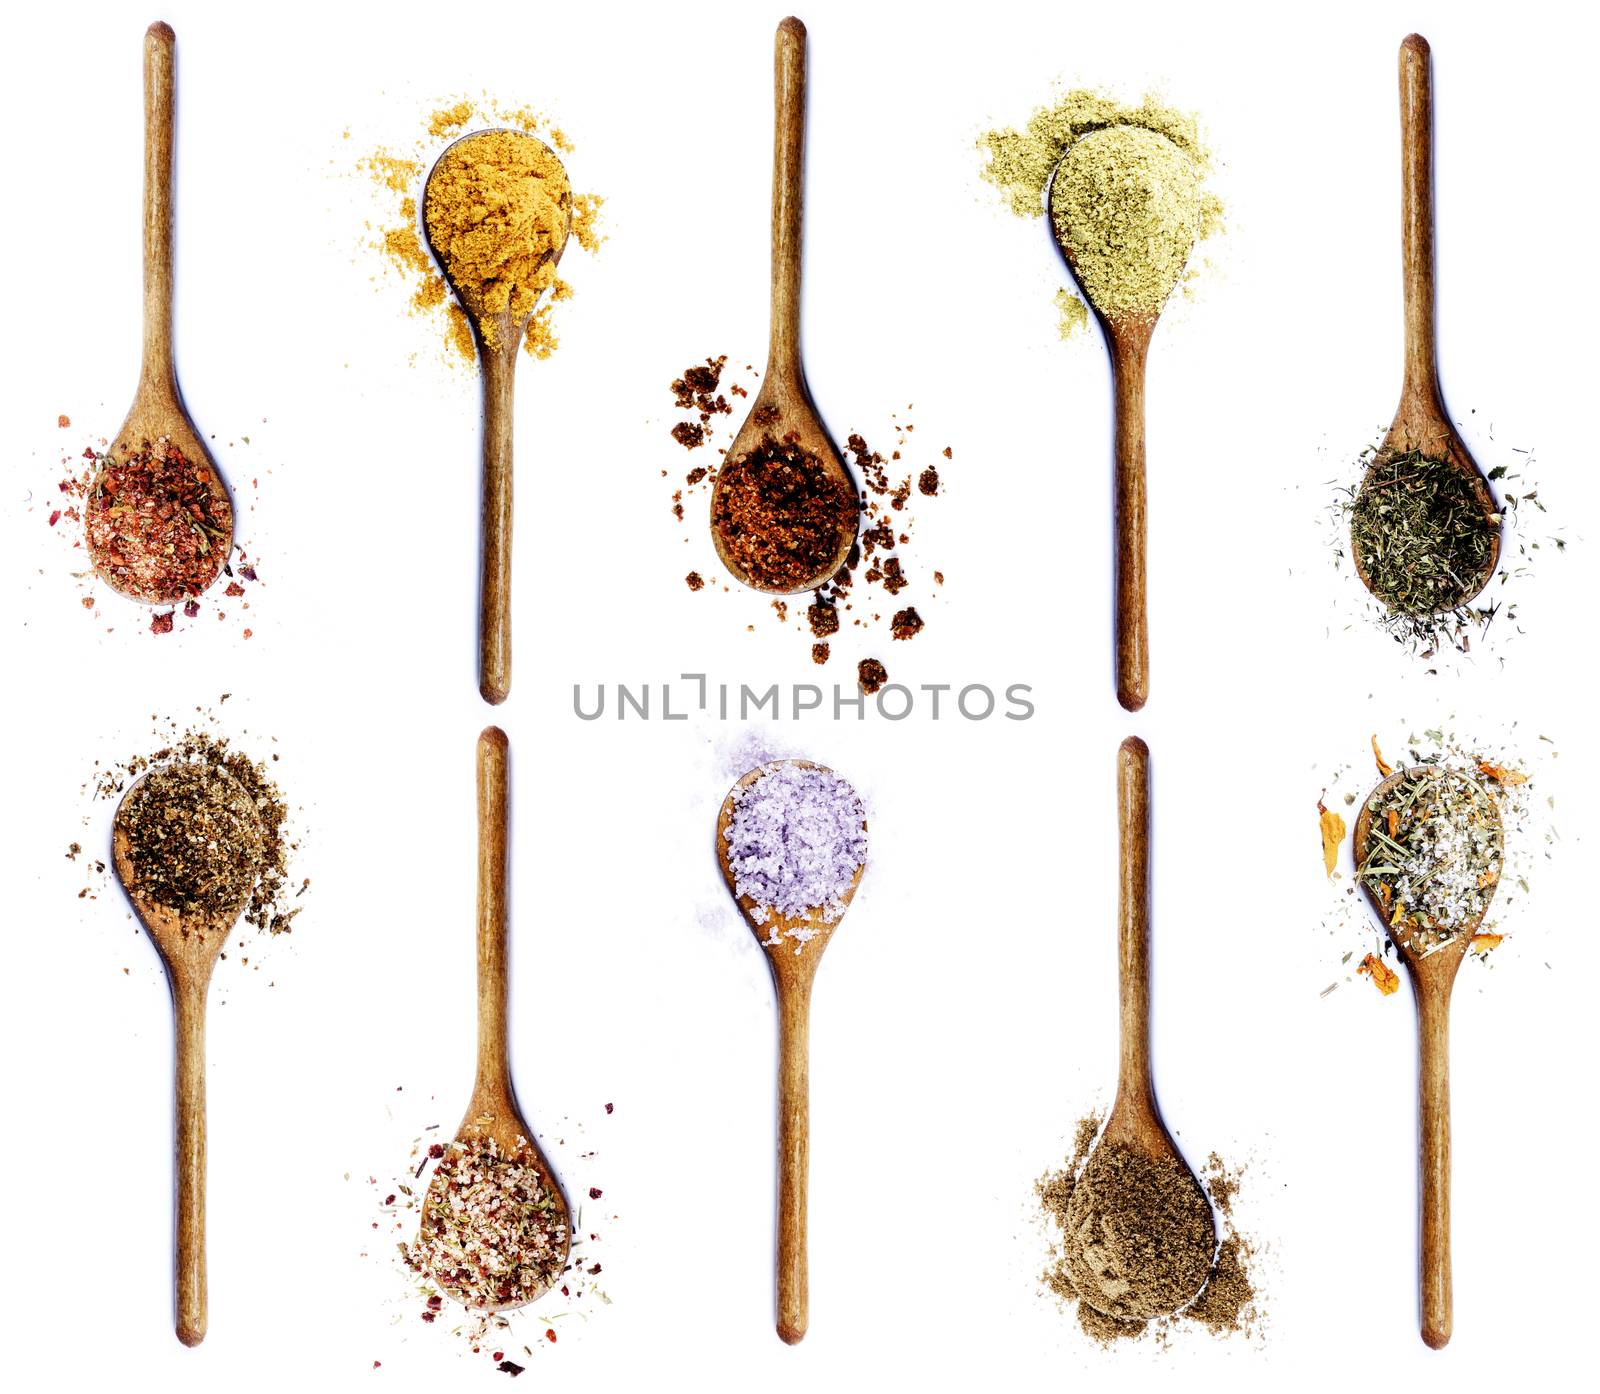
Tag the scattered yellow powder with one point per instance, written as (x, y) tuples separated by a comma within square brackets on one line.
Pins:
[(1074, 313), (401, 171), (1125, 188)]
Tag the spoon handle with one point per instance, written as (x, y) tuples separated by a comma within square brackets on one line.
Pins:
[(494, 1065), (1133, 925), (494, 591), (158, 370), (794, 1155), (1133, 637), (788, 195), (1416, 219), (189, 1011), (1433, 1022)]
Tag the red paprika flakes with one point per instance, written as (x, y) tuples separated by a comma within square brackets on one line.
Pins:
[(158, 525)]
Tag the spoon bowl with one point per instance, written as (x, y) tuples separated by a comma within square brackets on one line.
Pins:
[(158, 411), (1127, 333), (493, 1113), (783, 409), (793, 972), (188, 947), (1421, 422), (498, 333), (1432, 969)]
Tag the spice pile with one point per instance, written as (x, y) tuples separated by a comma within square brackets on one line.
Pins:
[(781, 515), (417, 1257), (493, 1234), (154, 525), (208, 832), (497, 210), (777, 476), (796, 845), (1421, 542), (153, 530), (1136, 1241), (1128, 195), (398, 173), (1451, 841), (1434, 853)]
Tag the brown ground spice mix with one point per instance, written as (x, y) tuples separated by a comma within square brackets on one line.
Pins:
[(781, 513), (1151, 1233)]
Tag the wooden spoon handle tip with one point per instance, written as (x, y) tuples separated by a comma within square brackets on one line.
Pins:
[(494, 1069), (1433, 1020), (1133, 919), (494, 593), (160, 47), (1128, 521), (189, 1010), (788, 194), (794, 1154)]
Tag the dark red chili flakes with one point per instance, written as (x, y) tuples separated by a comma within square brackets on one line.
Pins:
[(55, 516), (154, 523), (161, 622), (512, 1368), (595, 1193)]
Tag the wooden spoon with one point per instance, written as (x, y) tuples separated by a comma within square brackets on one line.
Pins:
[(499, 365), (189, 952), (1433, 975), (158, 409), (1128, 334), (1421, 422), (794, 968), (783, 408), (493, 1112), (1135, 1120)]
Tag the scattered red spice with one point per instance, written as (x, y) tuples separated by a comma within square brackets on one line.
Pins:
[(55, 517), (689, 434), (872, 675), (906, 623), (63, 421), (695, 390), (595, 1193), (781, 514), (161, 622)]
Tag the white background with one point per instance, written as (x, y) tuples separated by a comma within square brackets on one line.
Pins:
[(966, 1014)]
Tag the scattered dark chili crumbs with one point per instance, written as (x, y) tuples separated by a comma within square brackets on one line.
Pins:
[(823, 618), (928, 481), (695, 580), (689, 434), (819, 653), (872, 675), (906, 623)]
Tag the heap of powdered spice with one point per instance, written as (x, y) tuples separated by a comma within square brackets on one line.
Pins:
[(155, 513), (208, 833), (778, 474), (1125, 185), (796, 843), (1135, 1237), (525, 179), (493, 1233)]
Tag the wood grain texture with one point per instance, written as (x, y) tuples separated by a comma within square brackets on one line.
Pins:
[(498, 365), (794, 970), (158, 410), (783, 407), (493, 1111), (1421, 421), (1129, 342), (1433, 976), (188, 954)]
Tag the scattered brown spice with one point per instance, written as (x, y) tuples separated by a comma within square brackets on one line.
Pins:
[(696, 391), (781, 514), (819, 653), (906, 623), (696, 581), (928, 481), (823, 618), (689, 434), (63, 421), (872, 675)]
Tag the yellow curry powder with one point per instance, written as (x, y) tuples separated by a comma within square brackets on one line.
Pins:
[(1128, 197), (466, 221)]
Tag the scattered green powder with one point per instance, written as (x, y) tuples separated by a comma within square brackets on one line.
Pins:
[(1129, 198), (1074, 313)]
